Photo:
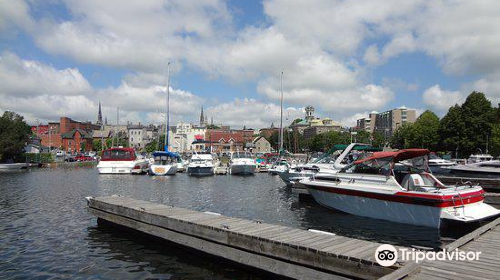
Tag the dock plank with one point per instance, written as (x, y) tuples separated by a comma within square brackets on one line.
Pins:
[(321, 256)]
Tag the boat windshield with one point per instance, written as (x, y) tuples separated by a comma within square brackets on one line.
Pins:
[(242, 155), (164, 160), (118, 155), (378, 166)]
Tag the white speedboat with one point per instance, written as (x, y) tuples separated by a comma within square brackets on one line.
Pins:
[(201, 165), (376, 187), (13, 166), (181, 165), (121, 161), (338, 157), (242, 163), (165, 163), (439, 165), (484, 169), (281, 165), (479, 158)]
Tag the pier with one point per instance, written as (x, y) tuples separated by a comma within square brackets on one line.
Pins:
[(280, 250), (484, 239)]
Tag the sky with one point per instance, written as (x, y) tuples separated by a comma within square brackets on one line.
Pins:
[(346, 58)]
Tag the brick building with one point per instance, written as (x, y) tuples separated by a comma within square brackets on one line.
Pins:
[(77, 141), (51, 134)]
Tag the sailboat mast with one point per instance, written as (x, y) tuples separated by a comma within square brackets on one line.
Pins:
[(281, 113), (167, 126)]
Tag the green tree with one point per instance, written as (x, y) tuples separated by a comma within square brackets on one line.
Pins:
[(478, 116), (424, 132), (378, 139), (401, 137), (451, 129), (495, 140), (153, 146), (14, 133)]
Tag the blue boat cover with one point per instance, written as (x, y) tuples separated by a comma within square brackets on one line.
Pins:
[(165, 153)]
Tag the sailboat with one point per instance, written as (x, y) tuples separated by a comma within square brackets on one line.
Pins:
[(280, 165), (165, 162)]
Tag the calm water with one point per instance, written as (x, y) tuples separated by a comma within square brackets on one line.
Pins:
[(46, 232)]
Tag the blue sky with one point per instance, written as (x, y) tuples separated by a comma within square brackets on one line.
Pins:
[(346, 58)]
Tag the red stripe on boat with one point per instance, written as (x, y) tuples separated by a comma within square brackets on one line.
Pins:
[(412, 198)]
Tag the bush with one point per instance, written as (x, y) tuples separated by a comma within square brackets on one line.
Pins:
[(39, 158)]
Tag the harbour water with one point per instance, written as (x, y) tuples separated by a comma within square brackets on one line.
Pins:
[(46, 232)]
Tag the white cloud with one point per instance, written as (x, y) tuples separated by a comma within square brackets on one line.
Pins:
[(440, 99), (252, 113), (27, 78)]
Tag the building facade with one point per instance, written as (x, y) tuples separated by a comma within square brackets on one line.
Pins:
[(184, 137), (51, 134), (77, 141), (389, 121), (261, 145), (312, 125)]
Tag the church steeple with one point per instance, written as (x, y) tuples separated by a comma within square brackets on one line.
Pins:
[(202, 117), (99, 115)]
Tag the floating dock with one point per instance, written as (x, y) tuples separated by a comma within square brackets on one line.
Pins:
[(484, 239), (283, 251)]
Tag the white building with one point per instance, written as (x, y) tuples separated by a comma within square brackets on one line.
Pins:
[(137, 136), (185, 134)]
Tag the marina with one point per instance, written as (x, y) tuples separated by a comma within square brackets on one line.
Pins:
[(252, 140)]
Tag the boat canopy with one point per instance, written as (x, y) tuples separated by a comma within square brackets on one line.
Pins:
[(397, 155), (341, 147), (165, 153)]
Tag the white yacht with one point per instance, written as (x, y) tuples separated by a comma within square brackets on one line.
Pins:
[(479, 158), (483, 169), (165, 163), (121, 161), (396, 186), (242, 163), (279, 166), (201, 165)]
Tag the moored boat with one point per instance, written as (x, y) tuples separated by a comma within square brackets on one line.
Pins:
[(13, 166), (121, 161), (165, 163), (484, 169), (201, 165), (280, 165), (242, 163), (439, 165), (337, 158), (376, 187)]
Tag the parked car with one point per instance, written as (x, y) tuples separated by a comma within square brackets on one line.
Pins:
[(60, 153), (83, 158)]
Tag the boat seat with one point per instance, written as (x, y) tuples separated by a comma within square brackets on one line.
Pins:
[(412, 181)]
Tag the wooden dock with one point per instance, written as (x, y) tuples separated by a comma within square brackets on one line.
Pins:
[(284, 251), (484, 239)]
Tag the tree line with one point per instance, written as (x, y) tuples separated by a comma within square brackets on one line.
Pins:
[(472, 127)]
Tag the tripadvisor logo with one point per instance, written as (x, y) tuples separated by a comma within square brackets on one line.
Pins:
[(387, 255)]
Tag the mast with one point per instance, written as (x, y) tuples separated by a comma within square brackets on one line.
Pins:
[(281, 113), (167, 126)]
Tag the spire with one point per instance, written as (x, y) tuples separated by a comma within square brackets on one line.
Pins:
[(202, 117), (212, 120), (99, 115)]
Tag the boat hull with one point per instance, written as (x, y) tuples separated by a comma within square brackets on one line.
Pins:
[(13, 166), (122, 167), (200, 171), (400, 212), (162, 170), (242, 169)]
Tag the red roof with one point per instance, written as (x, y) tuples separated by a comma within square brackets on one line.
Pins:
[(217, 136), (397, 155)]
